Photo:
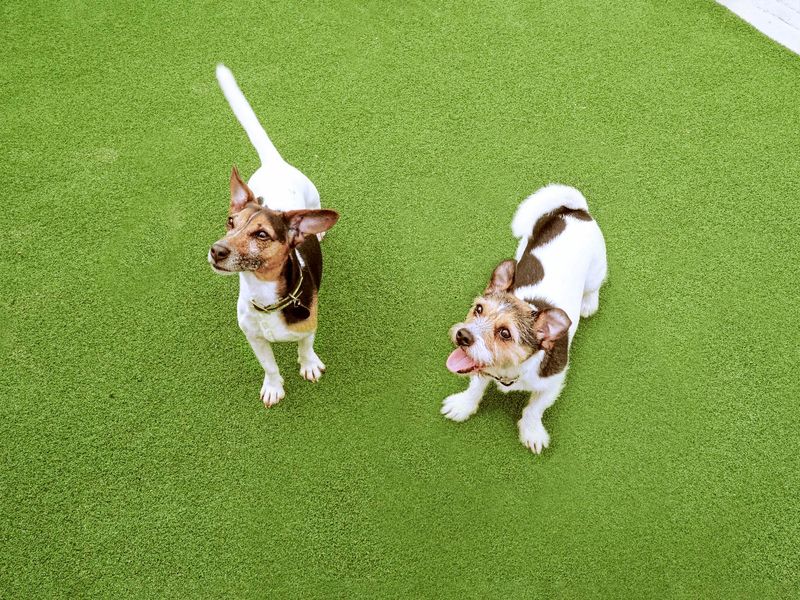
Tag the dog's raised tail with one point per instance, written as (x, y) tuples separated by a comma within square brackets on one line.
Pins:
[(244, 112), (543, 201)]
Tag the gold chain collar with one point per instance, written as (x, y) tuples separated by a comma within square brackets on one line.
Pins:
[(293, 299)]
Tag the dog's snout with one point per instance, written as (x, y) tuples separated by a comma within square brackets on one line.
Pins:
[(464, 338), (220, 252)]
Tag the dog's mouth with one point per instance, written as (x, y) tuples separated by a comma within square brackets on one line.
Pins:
[(460, 362), (219, 269)]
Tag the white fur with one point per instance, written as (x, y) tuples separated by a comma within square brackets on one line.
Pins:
[(244, 112), (283, 187), (478, 351), (574, 265)]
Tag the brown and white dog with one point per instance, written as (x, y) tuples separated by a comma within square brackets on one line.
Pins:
[(272, 243), (518, 332)]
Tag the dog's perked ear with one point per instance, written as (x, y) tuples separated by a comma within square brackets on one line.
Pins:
[(301, 223), (241, 194), (502, 277), (550, 325)]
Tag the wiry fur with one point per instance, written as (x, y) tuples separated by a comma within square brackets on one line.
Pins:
[(571, 267), (499, 311)]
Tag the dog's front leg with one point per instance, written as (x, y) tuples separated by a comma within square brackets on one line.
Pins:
[(272, 389), (311, 367), (460, 407), (532, 433)]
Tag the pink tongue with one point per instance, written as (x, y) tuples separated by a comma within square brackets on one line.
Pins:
[(458, 361)]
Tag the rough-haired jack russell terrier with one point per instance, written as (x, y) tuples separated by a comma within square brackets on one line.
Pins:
[(272, 243), (518, 332)]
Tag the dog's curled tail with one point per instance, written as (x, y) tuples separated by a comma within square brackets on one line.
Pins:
[(244, 112), (543, 201)]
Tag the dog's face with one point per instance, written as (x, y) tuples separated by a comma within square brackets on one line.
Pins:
[(259, 239), (502, 331)]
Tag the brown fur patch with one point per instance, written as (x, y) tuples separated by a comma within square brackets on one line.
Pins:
[(555, 360), (311, 254), (551, 224), (308, 324), (529, 268)]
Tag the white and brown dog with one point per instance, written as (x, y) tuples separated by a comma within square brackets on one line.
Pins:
[(272, 243), (518, 333)]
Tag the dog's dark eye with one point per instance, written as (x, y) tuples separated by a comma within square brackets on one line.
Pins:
[(505, 333), (478, 309), (230, 222), (262, 235)]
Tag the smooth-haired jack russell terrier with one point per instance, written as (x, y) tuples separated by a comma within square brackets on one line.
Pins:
[(272, 242), (518, 333)]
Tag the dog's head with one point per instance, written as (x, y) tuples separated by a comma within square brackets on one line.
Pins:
[(501, 330), (260, 239)]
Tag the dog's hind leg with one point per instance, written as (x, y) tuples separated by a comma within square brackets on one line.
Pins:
[(272, 388), (590, 303), (596, 275), (311, 367)]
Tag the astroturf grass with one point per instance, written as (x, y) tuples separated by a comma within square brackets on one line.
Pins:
[(137, 460)]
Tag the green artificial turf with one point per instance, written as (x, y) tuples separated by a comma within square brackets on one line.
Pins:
[(137, 460)]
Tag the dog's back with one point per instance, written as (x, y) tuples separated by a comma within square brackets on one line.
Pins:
[(561, 253)]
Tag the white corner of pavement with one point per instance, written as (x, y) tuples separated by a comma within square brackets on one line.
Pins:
[(778, 19)]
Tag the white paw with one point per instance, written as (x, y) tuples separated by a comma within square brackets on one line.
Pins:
[(534, 437), (590, 304), (459, 407), (272, 393), (312, 369)]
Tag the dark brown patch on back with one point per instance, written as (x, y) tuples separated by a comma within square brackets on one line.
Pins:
[(529, 268), (555, 360), (547, 228), (578, 213), (551, 224)]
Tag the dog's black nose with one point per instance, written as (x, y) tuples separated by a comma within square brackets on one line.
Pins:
[(220, 252), (464, 338)]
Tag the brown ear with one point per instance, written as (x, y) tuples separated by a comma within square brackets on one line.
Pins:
[(308, 222), (502, 277), (550, 325), (240, 193)]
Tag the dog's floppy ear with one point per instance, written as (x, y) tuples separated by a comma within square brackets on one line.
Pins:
[(550, 325), (301, 223), (502, 277), (240, 193)]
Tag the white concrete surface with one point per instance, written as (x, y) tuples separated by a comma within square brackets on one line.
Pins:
[(778, 19)]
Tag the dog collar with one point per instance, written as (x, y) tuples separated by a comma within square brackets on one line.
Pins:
[(505, 382), (292, 299)]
